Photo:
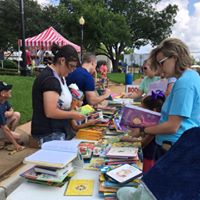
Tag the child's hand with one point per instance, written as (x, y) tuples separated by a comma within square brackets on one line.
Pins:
[(9, 114), (19, 147)]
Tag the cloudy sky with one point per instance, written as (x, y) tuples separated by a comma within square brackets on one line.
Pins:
[(187, 27)]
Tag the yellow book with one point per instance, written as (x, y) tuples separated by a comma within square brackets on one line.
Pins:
[(80, 187)]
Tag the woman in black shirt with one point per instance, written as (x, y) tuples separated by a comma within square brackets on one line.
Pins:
[(48, 119)]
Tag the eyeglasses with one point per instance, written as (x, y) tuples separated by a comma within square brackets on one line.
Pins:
[(161, 62), (144, 68)]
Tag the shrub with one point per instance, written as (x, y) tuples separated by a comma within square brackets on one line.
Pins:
[(9, 64)]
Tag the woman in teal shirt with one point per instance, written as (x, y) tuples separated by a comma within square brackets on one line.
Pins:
[(150, 77)]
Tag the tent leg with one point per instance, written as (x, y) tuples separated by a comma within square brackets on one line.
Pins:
[(18, 70)]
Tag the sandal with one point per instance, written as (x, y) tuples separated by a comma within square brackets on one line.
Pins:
[(2, 144)]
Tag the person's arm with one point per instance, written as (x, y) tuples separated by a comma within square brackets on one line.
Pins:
[(90, 122), (146, 140), (169, 127), (169, 88), (9, 113), (170, 84), (93, 98), (135, 94), (9, 136), (51, 109)]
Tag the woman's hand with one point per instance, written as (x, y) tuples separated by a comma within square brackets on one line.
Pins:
[(92, 122), (135, 132), (77, 116), (126, 139), (106, 93), (130, 139)]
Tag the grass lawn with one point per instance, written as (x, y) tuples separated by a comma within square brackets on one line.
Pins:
[(21, 95), (120, 77)]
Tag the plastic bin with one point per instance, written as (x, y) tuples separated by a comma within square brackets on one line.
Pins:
[(129, 79)]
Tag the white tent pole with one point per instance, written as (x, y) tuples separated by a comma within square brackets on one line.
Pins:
[(18, 58)]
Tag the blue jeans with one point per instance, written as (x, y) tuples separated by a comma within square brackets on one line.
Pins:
[(53, 136)]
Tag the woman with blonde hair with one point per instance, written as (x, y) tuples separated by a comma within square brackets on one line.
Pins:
[(181, 109)]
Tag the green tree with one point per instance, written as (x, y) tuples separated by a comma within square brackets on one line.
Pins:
[(10, 23), (118, 24), (101, 27), (147, 25)]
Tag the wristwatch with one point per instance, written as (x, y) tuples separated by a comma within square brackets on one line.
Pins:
[(142, 131)]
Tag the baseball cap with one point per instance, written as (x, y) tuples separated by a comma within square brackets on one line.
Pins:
[(5, 86)]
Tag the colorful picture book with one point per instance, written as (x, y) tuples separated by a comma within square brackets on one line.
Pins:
[(86, 109), (117, 125), (85, 149), (95, 164), (124, 173), (135, 116), (122, 152), (82, 187), (54, 154)]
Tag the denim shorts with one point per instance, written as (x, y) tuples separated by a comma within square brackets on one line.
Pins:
[(53, 136)]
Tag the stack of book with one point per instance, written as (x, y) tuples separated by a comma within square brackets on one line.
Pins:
[(89, 134), (53, 163), (49, 175), (113, 178), (121, 155)]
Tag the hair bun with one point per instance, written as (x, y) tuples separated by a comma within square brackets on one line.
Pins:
[(55, 49)]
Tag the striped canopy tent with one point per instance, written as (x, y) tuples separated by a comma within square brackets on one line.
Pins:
[(45, 40)]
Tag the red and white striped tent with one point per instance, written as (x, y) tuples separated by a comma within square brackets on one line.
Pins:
[(45, 40)]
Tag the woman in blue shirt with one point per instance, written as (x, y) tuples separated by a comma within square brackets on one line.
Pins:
[(181, 110)]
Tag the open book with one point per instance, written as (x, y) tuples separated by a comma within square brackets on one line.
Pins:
[(54, 154), (135, 117)]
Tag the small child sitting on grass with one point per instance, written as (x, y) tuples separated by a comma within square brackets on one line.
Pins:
[(8, 118), (153, 102)]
